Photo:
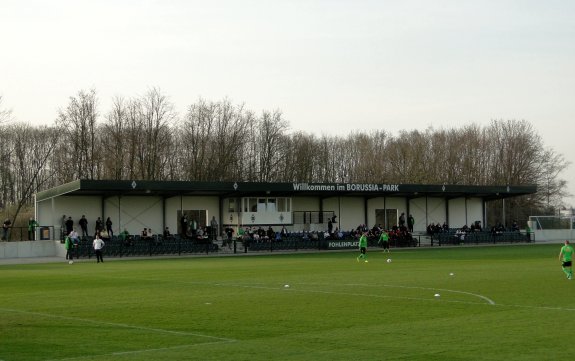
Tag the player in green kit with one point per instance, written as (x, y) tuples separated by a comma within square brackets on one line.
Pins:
[(566, 256), (384, 241), (363, 247)]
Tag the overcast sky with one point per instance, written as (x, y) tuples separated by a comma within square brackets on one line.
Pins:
[(331, 67)]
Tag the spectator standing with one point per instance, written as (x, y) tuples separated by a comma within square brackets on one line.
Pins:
[(229, 235), (214, 227), (194, 226), (99, 225), (109, 227), (63, 233), (69, 225), (98, 245), (5, 227), (184, 226), (410, 223), (83, 222), (32, 224), (402, 220)]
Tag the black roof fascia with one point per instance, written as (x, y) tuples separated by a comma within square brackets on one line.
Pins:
[(257, 189)]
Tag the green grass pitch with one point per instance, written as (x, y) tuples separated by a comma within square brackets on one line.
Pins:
[(496, 303)]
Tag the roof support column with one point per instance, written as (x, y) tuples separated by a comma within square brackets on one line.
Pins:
[(407, 210), (163, 214), (365, 211), (385, 213), (321, 220), (503, 213), (119, 214), (466, 220), (484, 212), (221, 216), (426, 214), (339, 210), (102, 207), (447, 211)]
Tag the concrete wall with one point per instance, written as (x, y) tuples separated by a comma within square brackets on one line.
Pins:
[(435, 211), (417, 210), (474, 211), (464, 212), (50, 212), (131, 213), (29, 249), (554, 235), (352, 214)]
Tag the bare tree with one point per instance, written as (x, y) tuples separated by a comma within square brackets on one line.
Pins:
[(115, 140), (227, 142), (146, 128), (271, 145), (299, 158), (516, 147), (33, 148), (143, 138), (6, 178), (214, 135), (78, 126), (365, 157), (196, 137), (5, 114)]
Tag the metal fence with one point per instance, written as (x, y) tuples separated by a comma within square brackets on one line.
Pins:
[(136, 246), (14, 234)]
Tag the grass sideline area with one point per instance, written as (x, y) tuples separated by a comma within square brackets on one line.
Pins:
[(495, 303)]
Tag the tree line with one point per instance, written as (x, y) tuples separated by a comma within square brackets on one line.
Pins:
[(144, 138)]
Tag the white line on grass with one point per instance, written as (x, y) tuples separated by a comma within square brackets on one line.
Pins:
[(292, 289), (488, 300), (429, 299), (552, 308), (260, 286), (124, 325), (139, 351), (219, 340)]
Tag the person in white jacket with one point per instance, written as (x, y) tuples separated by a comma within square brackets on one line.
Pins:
[(98, 245)]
